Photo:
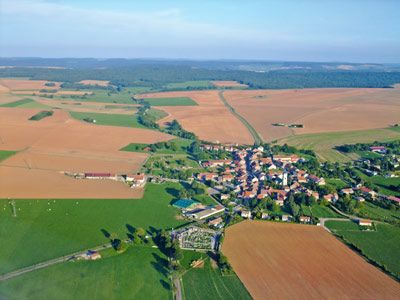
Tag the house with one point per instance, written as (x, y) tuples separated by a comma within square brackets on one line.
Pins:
[(394, 199), (331, 197), (286, 159), (316, 179), (265, 216), (366, 191), (286, 218), (378, 149), (305, 219), (207, 176), (347, 191), (224, 196), (215, 222), (91, 255), (137, 180), (360, 199), (363, 222), (216, 163), (245, 214)]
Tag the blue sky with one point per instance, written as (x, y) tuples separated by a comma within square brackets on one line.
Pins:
[(338, 30)]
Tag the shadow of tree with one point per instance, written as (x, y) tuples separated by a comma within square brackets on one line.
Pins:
[(165, 284), (160, 264), (105, 233), (173, 191)]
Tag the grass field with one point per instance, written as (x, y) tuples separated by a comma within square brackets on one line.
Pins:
[(319, 211), (176, 101), (139, 273), (4, 154), (109, 119), (208, 283), (44, 229), (381, 246), (388, 186), (197, 84), (25, 103), (157, 114), (323, 143)]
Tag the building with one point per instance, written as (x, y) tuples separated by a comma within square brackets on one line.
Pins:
[(99, 175), (245, 214), (363, 222), (137, 180), (204, 213), (378, 149), (217, 222), (305, 219)]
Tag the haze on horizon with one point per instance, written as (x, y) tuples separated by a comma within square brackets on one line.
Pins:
[(333, 30)]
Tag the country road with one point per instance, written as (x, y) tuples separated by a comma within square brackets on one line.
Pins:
[(49, 263), (178, 288)]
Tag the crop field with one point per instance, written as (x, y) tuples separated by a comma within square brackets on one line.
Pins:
[(59, 143), (209, 283), (95, 82), (4, 154), (139, 273), (123, 120), (210, 120), (24, 84), (269, 257), (381, 246), (25, 103), (228, 84), (49, 228), (369, 210), (189, 85), (319, 110), (173, 101), (324, 143)]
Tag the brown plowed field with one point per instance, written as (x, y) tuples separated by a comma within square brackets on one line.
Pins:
[(95, 82), (210, 120), (319, 110), (24, 84), (292, 261), (58, 143)]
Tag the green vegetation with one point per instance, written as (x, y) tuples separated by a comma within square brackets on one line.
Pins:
[(380, 246), (44, 229), (336, 183), (189, 85), (25, 103), (156, 114), (176, 101), (324, 143), (371, 211), (175, 146), (138, 273), (388, 186), (41, 115), (209, 283), (4, 154), (321, 211), (257, 138), (108, 119)]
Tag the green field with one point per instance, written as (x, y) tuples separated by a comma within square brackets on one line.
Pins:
[(45, 229), (197, 84), (319, 211), (388, 186), (157, 114), (4, 154), (338, 184), (139, 273), (371, 211), (25, 103), (176, 101), (208, 283), (109, 119), (381, 246), (323, 143)]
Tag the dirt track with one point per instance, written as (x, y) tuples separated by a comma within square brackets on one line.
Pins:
[(291, 261)]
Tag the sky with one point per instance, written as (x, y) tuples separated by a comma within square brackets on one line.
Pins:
[(291, 30)]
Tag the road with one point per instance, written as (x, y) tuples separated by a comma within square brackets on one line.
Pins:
[(178, 289), (49, 263)]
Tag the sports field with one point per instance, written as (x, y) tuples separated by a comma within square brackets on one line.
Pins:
[(381, 246), (139, 273), (209, 283), (269, 257), (45, 229)]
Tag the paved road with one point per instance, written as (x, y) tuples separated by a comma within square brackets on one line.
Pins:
[(49, 263)]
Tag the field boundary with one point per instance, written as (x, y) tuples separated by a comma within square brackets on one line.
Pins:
[(256, 137)]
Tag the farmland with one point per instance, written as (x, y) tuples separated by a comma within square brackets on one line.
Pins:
[(108, 119), (81, 147), (210, 120), (198, 84), (139, 273), (4, 154), (209, 283), (324, 143), (173, 101), (381, 246), (319, 110), (24, 103), (44, 229), (228, 84), (300, 255)]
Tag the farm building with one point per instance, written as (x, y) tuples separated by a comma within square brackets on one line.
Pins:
[(363, 222), (137, 180), (204, 213), (378, 149), (99, 176), (90, 255)]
